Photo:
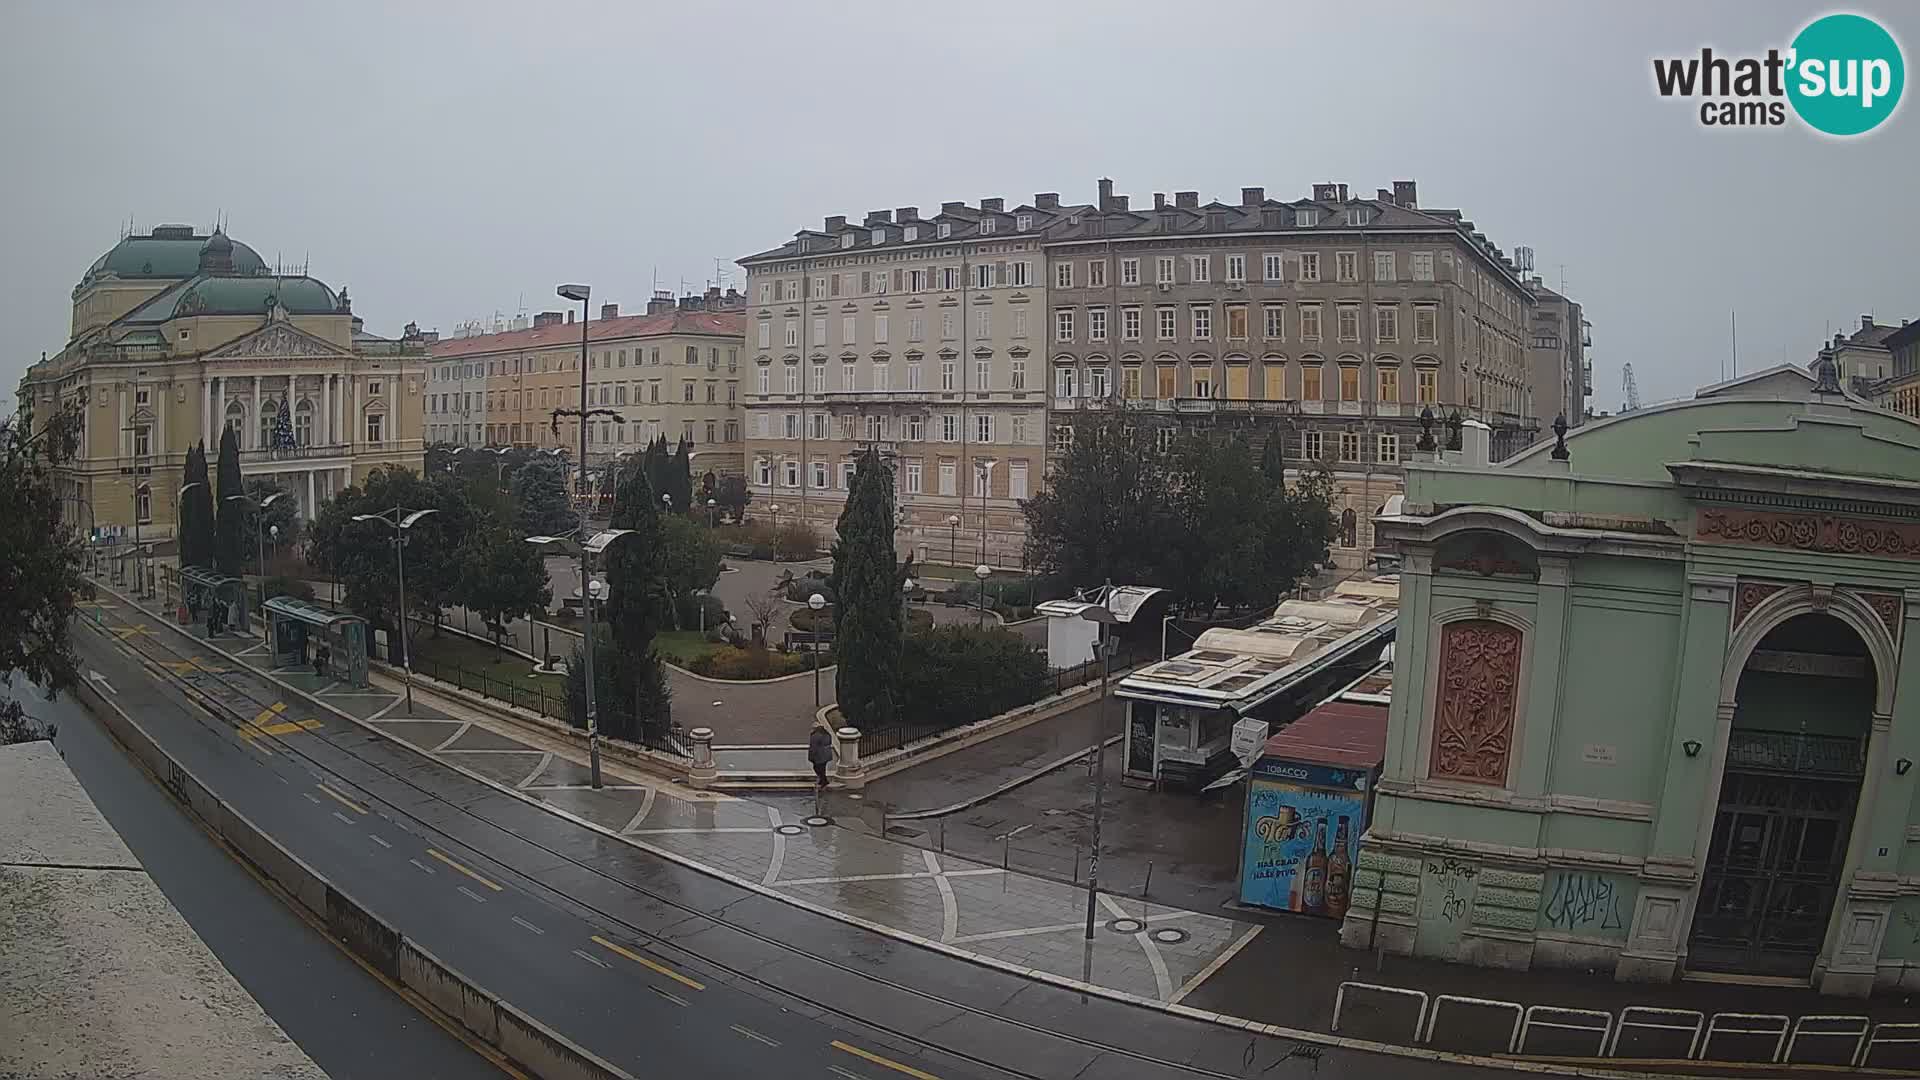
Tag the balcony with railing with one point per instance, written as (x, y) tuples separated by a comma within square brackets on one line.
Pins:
[(849, 398), (1790, 752), (304, 452)]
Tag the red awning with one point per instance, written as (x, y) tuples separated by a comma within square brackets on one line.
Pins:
[(1341, 734)]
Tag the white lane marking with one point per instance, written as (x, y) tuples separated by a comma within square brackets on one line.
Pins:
[(528, 925), (949, 906), (907, 876), (344, 818), (423, 866), (546, 759), (590, 958), (668, 994), (471, 895), (708, 829), (311, 797), (1214, 965), (455, 737), (1161, 979), (102, 680), (391, 705), (376, 839), (779, 849), (251, 649), (840, 1072), (329, 687), (640, 815), (754, 1035)]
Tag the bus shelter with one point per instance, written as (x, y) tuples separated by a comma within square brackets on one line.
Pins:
[(331, 643), (211, 600)]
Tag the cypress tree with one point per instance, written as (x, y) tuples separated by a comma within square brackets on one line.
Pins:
[(230, 529), (196, 511), (866, 612)]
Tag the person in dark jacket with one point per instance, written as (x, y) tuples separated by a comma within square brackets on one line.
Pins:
[(820, 752)]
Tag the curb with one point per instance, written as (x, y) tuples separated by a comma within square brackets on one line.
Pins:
[(1224, 1020), (1027, 778)]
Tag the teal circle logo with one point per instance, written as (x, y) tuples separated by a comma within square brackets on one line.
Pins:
[(1846, 76)]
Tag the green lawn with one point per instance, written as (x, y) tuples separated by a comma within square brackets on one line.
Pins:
[(449, 648), (682, 646)]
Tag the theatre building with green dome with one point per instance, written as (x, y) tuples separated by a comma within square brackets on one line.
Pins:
[(178, 335), (1654, 710)]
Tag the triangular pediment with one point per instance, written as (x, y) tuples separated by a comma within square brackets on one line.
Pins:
[(276, 340)]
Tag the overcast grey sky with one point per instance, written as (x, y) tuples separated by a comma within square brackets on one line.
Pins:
[(452, 160)]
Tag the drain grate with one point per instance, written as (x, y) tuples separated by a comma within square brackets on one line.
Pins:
[(905, 833)]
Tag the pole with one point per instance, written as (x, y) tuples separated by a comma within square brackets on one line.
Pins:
[(260, 554), (1099, 775), (586, 582), (406, 643)]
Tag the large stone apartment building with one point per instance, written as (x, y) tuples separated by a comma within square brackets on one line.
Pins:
[(178, 335), (1561, 374), (674, 371), (1330, 321)]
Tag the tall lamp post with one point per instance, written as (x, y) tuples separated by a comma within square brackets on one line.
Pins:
[(597, 544), (953, 532), (712, 505), (400, 522), (260, 545), (816, 603), (1105, 617), (774, 508), (906, 602), (983, 571)]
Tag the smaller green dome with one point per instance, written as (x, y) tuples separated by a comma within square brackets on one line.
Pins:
[(249, 296), (172, 251)]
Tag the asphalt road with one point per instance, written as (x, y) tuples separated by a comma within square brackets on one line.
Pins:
[(349, 1023), (654, 966)]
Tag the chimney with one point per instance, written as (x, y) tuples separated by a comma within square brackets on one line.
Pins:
[(713, 294), (1383, 195), (569, 316), (879, 217), (836, 222), (907, 213), (995, 205), (609, 311), (1343, 193), (1047, 200), (1120, 202), (1325, 192), (1252, 196), (661, 304), (1403, 194), (1106, 193), (1159, 200), (546, 318), (950, 207), (1476, 444), (1866, 322), (1187, 200)]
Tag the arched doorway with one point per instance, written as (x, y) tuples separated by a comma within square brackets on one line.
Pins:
[(1796, 755)]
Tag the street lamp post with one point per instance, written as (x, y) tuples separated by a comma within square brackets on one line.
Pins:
[(953, 532), (816, 603), (260, 546), (712, 504), (1105, 617), (906, 609), (598, 543), (982, 572), (400, 525), (775, 509)]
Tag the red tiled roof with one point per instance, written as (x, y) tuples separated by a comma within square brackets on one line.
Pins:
[(1343, 734), (726, 323)]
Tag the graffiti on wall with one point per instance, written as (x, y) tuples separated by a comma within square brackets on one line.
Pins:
[(1588, 903), (1452, 897)]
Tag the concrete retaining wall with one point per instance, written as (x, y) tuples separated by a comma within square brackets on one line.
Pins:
[(529, 1043)]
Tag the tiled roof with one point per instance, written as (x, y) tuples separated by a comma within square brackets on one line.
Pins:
[(718, 323)]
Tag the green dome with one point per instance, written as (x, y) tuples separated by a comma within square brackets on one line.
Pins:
[(236, 296), (172, 251)]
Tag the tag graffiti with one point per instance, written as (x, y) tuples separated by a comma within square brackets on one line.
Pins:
[(1583, 900)]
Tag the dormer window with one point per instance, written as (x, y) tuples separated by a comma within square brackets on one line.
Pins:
[(1022, 222), (1307, 218), (986, 225), (879, 236), (911, 233), (1356, 216), (943, 230), (846, 240)]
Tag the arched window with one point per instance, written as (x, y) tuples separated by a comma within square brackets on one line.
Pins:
[(303, 422), (237, 422), (1349, 528), (268, 412)]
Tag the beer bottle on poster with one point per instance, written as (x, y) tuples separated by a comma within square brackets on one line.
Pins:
[(1314, 893), (1339, 873)]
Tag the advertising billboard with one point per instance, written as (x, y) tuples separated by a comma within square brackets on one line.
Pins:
[(1302, 837)]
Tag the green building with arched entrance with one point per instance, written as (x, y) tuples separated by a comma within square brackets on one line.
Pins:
[(1653, 710)]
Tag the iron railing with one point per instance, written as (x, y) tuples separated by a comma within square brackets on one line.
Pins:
[(1789, 752), (537, 696)]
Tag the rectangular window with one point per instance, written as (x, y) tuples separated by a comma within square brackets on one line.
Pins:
[(1273, 375), (1097, 274), (1065, 382), (916, 328), (1019, 372), (1270, 269), (981, 479), (1020, 322), (947, 477), (732, 430), (1236, 268), (1202, 322), (1021, 223), (1386, 324), (1389, 384), (1167, 321), (766, 334), (792, 333), (1063, 325), (983, 427), (915, 427), (982, 324), (1063, 275), (913, 477), (817, 378), (1097, 324), (1349, 322), (1236, 322), (1017, 480), (880, 329), (1349, 446), (983, 374), (820, 330), (946, 326), (949, 276), (792, 477), (846, 475), (1349, 382), (1199, 268), (949, 428), (1018, 432), (793, 425), (1426, 325), (1202, 382), (1310, 446), (1097, 383), (1129, 271), (1163, 270), (917, 280), (913, 375), (1346, 265), (1383, 266), (1019, 270), (1274, 322), (1309, 266), (1130, 382), (376, 427), (882, 377), (946, 375), (1389, 448), (1130, 324), (982, 276), (848, 379), (1310, 389), (1426, 385), (1166, 382), (1421, 265)]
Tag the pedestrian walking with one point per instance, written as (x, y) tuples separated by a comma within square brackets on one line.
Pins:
[(321, 657), (820, 752)]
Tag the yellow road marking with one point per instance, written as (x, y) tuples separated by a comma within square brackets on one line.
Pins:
[(888, 1063), (463, 870), (292, 727), (125, 632), (341, 799), (659, 969), (252, 730), (189, 666)]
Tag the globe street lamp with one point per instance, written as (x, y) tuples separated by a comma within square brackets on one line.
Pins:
[(953, 529), (775, 509), (906, 598), (983, 572), (598, 543), (712, 504), (817, 603), (399, 525)]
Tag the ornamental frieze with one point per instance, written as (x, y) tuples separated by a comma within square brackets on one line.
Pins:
[(1823, 533), (1478, 696)]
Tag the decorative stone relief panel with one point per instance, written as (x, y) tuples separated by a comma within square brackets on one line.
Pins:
[(1749, 595), (1479, 677), (1888, 606), (1810, 532)]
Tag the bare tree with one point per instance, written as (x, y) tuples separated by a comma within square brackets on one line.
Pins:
[(762, 605)]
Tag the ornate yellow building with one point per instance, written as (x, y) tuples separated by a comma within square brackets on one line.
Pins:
[(178, 335)]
